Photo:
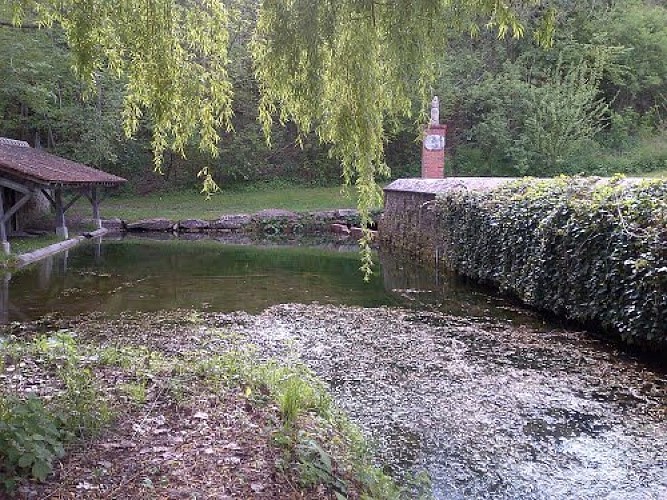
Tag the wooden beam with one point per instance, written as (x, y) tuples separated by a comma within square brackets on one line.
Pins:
[(72, 202), (16, 207), (95, 202), (21, 188), (61, 227), (49, 197)]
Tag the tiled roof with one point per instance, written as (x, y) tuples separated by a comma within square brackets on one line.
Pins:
[(23, 162), (13, 142)]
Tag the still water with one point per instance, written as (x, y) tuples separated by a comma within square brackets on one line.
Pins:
[(143, 274), (149, 275), (489, 399)]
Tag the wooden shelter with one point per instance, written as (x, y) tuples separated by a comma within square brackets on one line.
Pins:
[(25, 172)]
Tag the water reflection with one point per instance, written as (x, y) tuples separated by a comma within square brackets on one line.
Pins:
[(45, 272), (145, 274), (149, 275), (425, 290)]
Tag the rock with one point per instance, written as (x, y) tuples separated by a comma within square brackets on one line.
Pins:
[(357, 233), (345, 213), (231, 222), (193, 236), (324, 216), (274, 213), (193, 225), (113, 225), (275, 221), (158, 224), (257, 487), (340, 229)]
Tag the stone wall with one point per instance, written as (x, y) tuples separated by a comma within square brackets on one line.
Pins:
[(558, 245), (271, 222), (409, 225)]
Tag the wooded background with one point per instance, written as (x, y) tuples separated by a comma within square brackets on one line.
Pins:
[(594, 103)]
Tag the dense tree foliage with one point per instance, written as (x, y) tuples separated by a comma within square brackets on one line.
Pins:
[(606, 67), (341, 68), (41, 101), (170, 56)]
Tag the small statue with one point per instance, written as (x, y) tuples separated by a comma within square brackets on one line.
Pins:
[(435, 111)]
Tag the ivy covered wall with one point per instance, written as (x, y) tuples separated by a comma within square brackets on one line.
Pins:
[(587, 249)]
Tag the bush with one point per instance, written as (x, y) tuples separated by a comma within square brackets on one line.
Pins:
[(589, 250), (34, 430), (31, 438)]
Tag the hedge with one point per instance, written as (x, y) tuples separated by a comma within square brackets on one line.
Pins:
[(587, 249)]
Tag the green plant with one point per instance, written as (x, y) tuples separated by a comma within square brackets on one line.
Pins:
[(135, 391), (295, 396), (31, 438), (83, 409), (140, 360), (59, 347), (316, 466), (563, 114), (582, 248)]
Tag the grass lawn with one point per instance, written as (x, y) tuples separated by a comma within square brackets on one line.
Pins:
[(193, 205), (660, 174)]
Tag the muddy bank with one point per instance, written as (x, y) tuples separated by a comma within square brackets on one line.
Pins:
[(489, 408)]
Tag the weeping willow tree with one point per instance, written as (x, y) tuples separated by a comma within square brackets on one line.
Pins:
[(171, 55), (345, 69)]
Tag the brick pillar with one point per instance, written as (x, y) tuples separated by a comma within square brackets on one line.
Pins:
[(433, 152)]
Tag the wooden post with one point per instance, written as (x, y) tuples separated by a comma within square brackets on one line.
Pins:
[(95, 202), (98, 250), (3, 224), (61, 227), (45, 273)]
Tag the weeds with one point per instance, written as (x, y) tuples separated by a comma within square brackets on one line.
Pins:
[(320, 447), (34, 432), (135, 391), (31, 438), (85, 411)]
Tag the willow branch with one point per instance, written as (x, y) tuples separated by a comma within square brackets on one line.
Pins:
[(19, 26)]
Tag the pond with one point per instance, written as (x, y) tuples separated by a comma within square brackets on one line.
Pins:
[(489, 399)]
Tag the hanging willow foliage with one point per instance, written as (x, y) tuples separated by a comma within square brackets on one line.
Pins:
[(172, 55), (347, 68), (341, 68)]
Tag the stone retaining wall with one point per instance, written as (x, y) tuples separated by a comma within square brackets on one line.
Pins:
[(409, 226), (589, 250), (343, 222)]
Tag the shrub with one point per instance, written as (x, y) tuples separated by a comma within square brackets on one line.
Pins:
[(589, 250), (31, 438)]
